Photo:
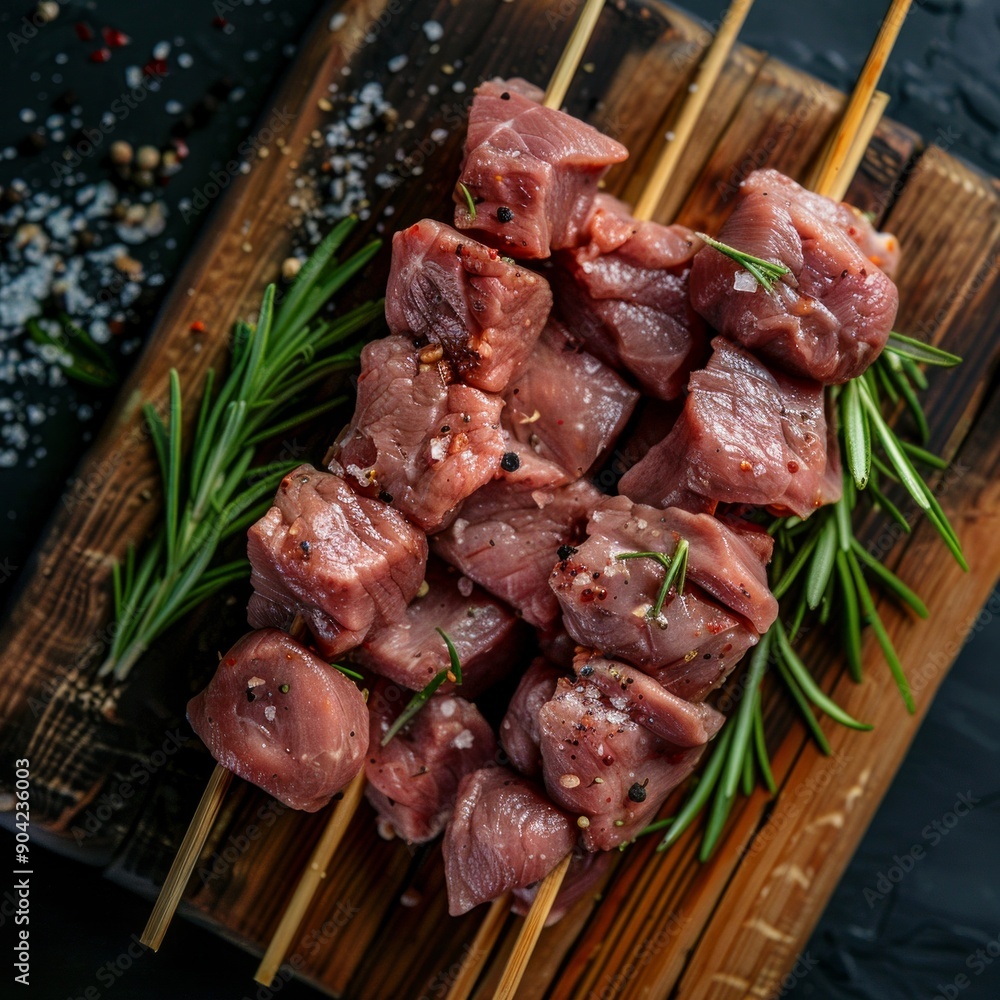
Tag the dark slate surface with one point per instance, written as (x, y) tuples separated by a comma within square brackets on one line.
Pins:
[(917, 915)]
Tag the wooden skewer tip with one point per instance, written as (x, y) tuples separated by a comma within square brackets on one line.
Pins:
[(524, 946), (186, 858)]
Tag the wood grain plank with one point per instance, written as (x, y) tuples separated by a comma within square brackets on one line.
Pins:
[(663, 923)]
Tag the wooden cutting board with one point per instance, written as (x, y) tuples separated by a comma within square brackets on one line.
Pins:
[(116, 773)]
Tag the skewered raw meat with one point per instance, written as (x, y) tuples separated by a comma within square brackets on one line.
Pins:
[(346, 563), (279, 716), (828, 319), (585, 871), (566, 404), (487, 636), (419, 440), (722, 561), (519, 734), (413, 779), (509, 533), (504, 834), (601, 764), (882, 249), (531, 171), (746, 435), (483, 311), (624, 293)]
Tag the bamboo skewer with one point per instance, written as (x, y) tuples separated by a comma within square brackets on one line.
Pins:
[(701, 89), (186, 857), (835, 159), (481, 948), (310, 880), (532, 928), (566, 68), (841, 180)]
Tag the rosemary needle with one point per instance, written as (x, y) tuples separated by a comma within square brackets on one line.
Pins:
[(452, 672), (767, 272), (469, 202), (217, 491)]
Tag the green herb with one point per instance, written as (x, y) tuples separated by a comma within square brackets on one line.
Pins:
[(674, 567), (347, 672), (469, 203), (821, 569), (217, 492), (76, 352), (417, 702), (767, 272)]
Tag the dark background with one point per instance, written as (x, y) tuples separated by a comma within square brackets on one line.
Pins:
[(887, 933)]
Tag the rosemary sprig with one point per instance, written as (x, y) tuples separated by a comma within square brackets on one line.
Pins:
[(767, 272), (674, 572), (821, 568), (452, 673), (469, 202), (76, 352), (217, 492)]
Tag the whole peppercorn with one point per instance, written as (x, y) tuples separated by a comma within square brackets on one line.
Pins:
[(147, 158), (637, 793), (120, 153), (504, 214)]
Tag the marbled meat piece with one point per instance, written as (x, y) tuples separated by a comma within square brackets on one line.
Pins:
[(599, 763), (624, 294), (519, 734), (448, 291), (280, 717), (504, 834), (413, 779), (828, 319), (531, 171), (508, 535), (566, 404), (345, 562), (882, 249), (586, 869), (747, 435), (728, 564), (419, 441), (486, 633), (683, 723)]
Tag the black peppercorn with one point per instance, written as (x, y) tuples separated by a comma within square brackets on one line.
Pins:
[(565, 551), (510, 462), (504, 214), (637, 793)]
